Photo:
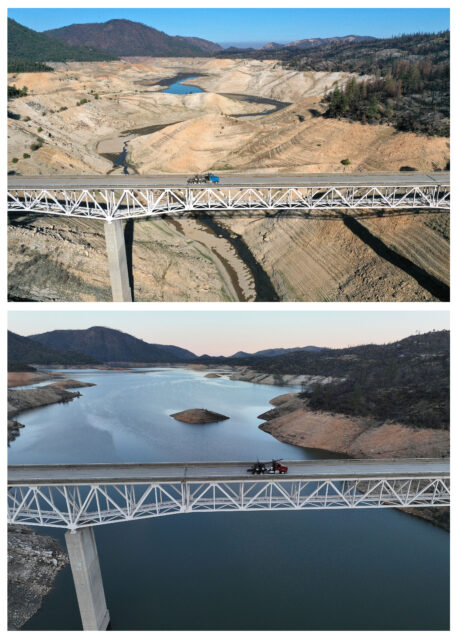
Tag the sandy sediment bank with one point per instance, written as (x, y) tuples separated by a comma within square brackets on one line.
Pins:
[(293, 422), (237, 279), (23, 378), (72, 384)]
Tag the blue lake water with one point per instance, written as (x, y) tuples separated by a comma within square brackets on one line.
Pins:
[(178, 87), (358, 569)]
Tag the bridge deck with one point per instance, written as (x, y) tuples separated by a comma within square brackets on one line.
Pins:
[(134, 473), (392, 179)]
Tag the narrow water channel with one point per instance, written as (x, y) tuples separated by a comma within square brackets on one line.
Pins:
[(264, 289), (175, 85)]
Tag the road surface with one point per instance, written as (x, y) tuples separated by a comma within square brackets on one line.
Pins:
[(231, 180), (201, 471)]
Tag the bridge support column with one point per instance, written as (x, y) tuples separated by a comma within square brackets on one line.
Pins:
[(117, 256), (83, 555)]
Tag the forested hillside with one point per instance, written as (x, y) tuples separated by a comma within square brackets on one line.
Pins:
[(23, 351), (410, 87), (407, 83), (405, 381), (110, 345), (28, 50), (128, 38)]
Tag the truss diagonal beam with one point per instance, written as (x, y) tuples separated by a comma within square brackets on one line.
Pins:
[(78, 505), (119, 203)]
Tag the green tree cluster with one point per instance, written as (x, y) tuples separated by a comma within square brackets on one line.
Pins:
[(14, 92), (407, 83)]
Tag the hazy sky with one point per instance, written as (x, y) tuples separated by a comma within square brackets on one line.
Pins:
[(225, 332), (250, 25)]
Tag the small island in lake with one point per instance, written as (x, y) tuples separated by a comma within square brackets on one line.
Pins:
[(198, 416)]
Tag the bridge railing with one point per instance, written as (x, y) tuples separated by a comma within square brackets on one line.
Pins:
[(119, 203), (73, 506)]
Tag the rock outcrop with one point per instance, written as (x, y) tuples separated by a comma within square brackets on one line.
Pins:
[(25, 399), (33, 564), (198, 416), (13, 430), (245, 374)]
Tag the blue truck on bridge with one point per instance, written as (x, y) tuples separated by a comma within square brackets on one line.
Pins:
[(201, 179)]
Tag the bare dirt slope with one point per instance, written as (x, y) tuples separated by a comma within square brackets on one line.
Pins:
[(357, 437), (65, 259), (305, 257), (283, 142), (268, 79), (310, 258), (82, 110), (79, 106)]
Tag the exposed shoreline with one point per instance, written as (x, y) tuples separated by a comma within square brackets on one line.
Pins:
[(34, 560), (237, 276), (23, 378), (20, 400), (291, 421)]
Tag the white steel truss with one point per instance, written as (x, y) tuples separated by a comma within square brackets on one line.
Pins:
[(77, 505), (119, 203)]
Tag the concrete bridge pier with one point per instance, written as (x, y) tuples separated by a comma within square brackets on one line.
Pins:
[(83, 556), (117, 256)]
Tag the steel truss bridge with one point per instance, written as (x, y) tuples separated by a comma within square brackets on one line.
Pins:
[(118, 202), (75, 497), (79, 497), (113, 199)]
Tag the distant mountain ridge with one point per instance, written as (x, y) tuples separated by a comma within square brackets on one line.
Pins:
[(25, 350), (128, 38), (110, 345), (270, 353), (312, 43), (28, 46)]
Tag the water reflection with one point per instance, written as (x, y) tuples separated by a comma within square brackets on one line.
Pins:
[(310, 570)]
